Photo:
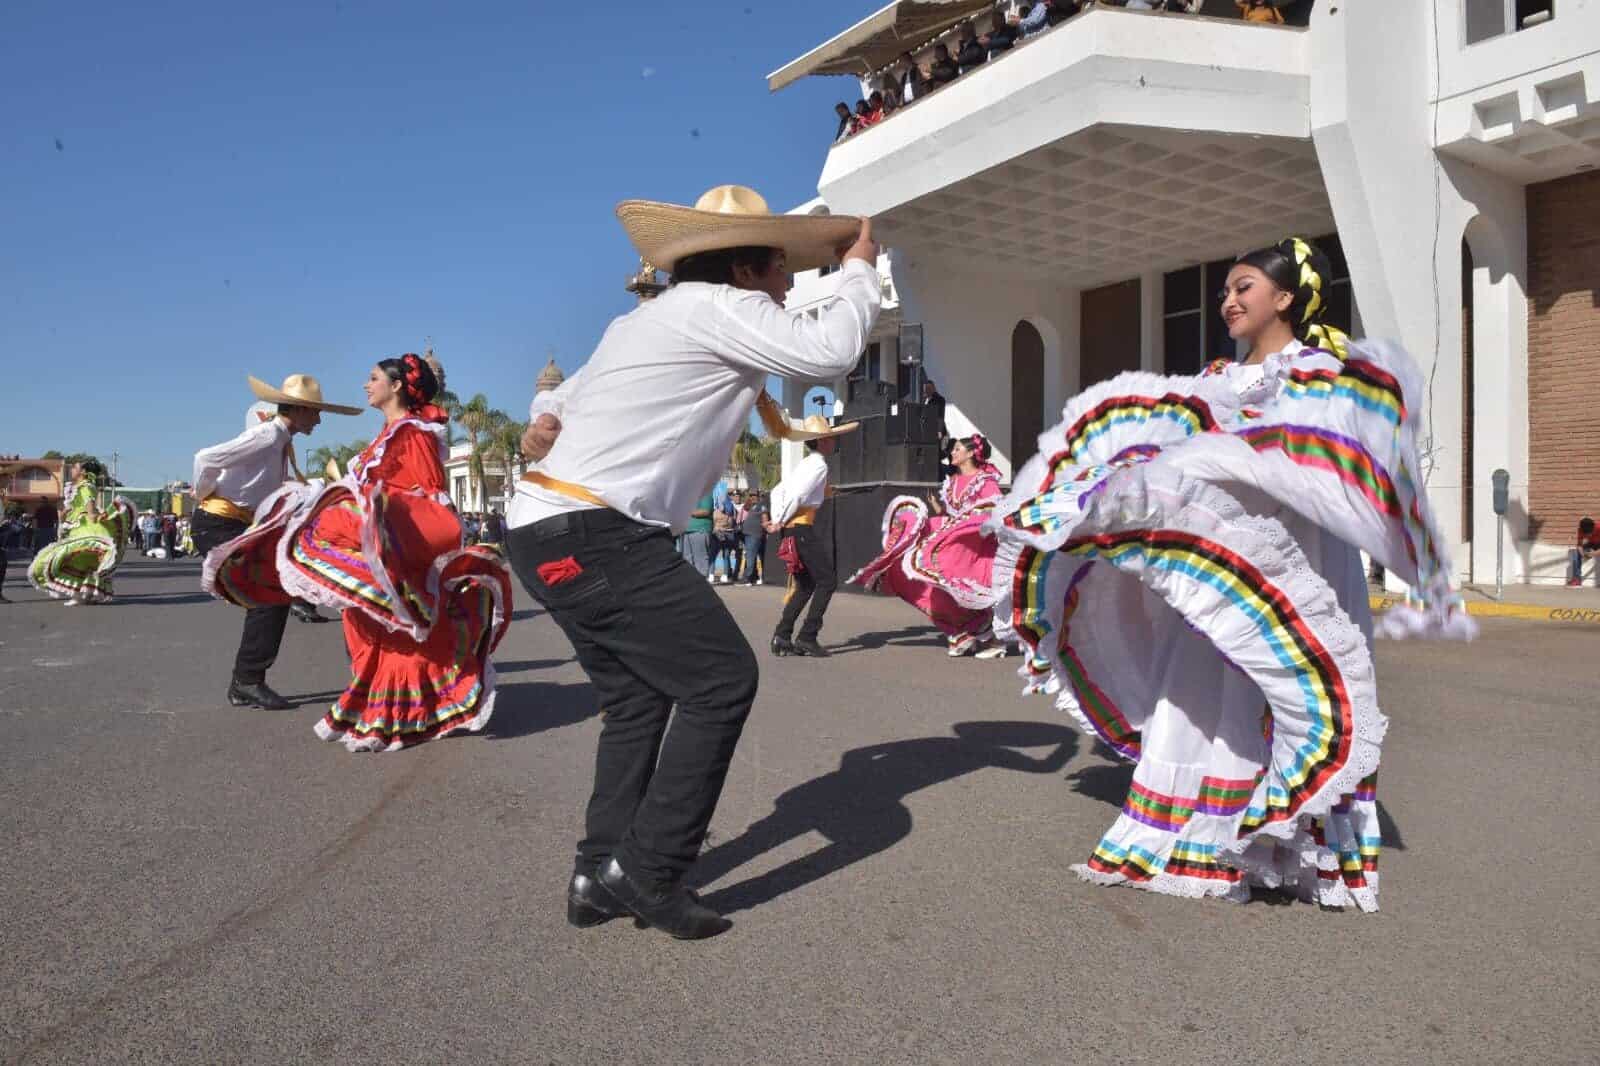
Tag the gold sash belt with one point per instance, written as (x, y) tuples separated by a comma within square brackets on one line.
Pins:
[(223, 507), (803, 516), (563, 488)]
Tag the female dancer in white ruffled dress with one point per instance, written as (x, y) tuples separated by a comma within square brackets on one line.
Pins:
[(1181, 560)]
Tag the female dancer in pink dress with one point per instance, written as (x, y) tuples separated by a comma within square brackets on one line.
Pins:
[(936, 556)]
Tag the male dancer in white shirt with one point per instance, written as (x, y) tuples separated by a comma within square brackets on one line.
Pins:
[(795, 502), (634, 438), (230, 481)]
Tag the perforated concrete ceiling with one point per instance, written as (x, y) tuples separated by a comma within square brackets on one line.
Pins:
[(1105, 204)]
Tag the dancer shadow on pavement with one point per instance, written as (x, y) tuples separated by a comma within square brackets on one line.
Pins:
[(860, 807), (909, 637), (529, 707)]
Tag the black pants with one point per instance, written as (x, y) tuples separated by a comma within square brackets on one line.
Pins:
[(263, 626), (651, 634), (815, 585)]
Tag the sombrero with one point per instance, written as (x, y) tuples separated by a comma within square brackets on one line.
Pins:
[(815, 427), (732, 216), (299, 390)]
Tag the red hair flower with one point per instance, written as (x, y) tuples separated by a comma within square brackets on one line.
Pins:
[(559, 571)]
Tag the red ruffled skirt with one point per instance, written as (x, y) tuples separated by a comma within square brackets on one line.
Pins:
[(422, 614)]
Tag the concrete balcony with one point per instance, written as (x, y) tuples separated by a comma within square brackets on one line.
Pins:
[(1119, 131)]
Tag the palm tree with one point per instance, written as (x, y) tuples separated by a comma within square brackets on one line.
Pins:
[(505, 445), (318, 458), (476, 418)]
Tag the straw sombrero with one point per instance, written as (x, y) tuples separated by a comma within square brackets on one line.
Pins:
[(299, 390), (732, 216), (815, 427)]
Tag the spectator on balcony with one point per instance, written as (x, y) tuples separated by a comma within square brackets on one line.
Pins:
[(1002, 37), (1259, 11), (891, 100), (911, 79), (875, 108), (1047, 13), (944, 70), (970, 55), (864, 116), (847, 124)]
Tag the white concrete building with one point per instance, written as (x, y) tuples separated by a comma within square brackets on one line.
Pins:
[(1066, 211)]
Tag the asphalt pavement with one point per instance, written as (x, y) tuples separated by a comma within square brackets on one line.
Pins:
[(184, 882)]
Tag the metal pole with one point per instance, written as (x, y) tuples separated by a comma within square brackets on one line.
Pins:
[(1499, 558)]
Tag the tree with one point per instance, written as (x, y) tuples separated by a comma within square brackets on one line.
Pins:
[(762, 455), (317, 459), (476, 418), (504, 445)]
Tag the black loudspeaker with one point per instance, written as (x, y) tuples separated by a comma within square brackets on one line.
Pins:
[(864, 396), (912, 423), (911, 462), (845, 463)]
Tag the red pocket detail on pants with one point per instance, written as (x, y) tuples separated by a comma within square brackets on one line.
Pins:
[(559, 571)]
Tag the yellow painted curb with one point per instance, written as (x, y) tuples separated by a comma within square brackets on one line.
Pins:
[(1489, 609)]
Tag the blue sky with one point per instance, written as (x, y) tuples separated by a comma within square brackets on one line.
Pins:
[(194, 192)]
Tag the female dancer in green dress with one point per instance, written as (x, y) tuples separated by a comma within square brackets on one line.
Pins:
[(77, 567)]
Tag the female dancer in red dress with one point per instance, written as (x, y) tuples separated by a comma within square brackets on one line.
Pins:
[(383, 545)]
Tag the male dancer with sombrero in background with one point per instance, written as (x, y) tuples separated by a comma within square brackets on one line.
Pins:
[(625, 448), (230, 481), (808, 554)]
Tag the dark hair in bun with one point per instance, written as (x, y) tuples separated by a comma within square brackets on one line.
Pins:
[(1297, 266)]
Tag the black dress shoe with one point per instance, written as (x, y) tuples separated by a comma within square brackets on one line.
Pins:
[(589, 903), (810, 648), (781, 646), (256, 695), (675, 911), (306, 613)]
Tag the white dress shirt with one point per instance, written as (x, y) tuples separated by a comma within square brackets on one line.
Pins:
[(805, 486), (649, 422), (246, 469)]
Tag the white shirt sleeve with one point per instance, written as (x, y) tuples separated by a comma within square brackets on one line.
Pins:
[(553, 402), (807, 479), (754, 331), (270, 435)]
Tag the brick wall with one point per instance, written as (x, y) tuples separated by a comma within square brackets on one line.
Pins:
[(1563, 355)]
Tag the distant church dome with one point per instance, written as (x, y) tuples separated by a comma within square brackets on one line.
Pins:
[(550, 377)]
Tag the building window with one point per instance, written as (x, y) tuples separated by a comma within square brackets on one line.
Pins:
[(1486, 19)]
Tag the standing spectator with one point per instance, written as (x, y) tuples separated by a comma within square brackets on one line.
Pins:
[(493, 529), (970, 54), (736, 553), (1586, 546), (8, 527), (846, 121), (935, 404), (150, 526), (44, 526), (752, 529), (169, 535), (722, 531), (697, 536), (944, 71), (1259, 11)]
